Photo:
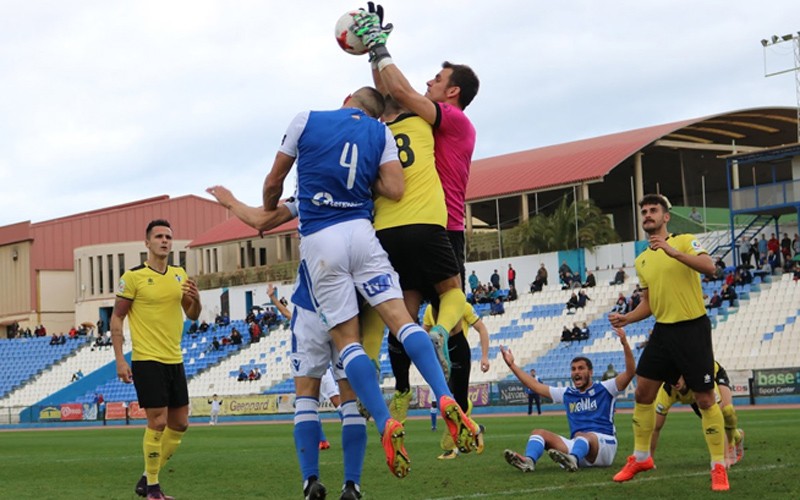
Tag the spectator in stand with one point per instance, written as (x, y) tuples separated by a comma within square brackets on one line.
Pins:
[(497, 307), (621, 306), (715, 301), (54, 339), (582, 299), (474, 282), (242, 375), (636, 297), (773, 260), (73, 332), (755, 252), (541, 276), (796, 244), (77, 376), (773, 244), (512, 276), (101, 325), (512, 294), (255, 333), (747, 276), (192, 328), (203, 327), (236, 337), (590, 280), (214, 345), (620, 277), (762, 249), (728, 293), (796, 273), (576, 331), (695, 216), (786, 247), (744, 251), (226, 341), (609, 373), (572, 304), (566, 334), (584, 332), (495, 279)]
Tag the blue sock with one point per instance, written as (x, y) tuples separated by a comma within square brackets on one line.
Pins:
[(307, 431), (433, 418), (419, 348), (322, 436), (535, 447), (354, 441), (580, 449), (361, 375)]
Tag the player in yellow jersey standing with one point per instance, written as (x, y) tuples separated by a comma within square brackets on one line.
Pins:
[(154, 297), (680, 344)]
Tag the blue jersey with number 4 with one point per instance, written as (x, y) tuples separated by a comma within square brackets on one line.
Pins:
[(339, 154), (591, 410)]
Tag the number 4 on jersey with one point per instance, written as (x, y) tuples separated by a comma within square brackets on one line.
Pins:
[(350, 163)]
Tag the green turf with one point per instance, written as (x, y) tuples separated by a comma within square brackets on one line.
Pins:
[(258, 461)]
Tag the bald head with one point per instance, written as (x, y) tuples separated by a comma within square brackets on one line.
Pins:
[(369, 100)]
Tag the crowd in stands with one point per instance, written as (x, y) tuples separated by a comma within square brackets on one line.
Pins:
[(254, 374), (771, 254), (491, 292), (575, 333)]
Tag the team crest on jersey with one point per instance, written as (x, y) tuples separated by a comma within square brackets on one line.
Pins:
[(591, 392), (178, 278), (296, 364), (150, 281), (378, 285), (121, 286)]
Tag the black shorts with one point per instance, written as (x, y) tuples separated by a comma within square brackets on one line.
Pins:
[(722, 377), (677, 349), (422, 256), (159, 385), (459, 248)]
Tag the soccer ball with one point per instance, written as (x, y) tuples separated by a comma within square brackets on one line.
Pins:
[(349, 42)]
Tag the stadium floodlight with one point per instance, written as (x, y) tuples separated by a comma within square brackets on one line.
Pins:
[(795, 39)]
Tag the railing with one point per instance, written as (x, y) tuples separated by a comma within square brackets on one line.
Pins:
[(284, 271), (766, 195)]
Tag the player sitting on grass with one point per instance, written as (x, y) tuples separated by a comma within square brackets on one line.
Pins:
[(590, 413)]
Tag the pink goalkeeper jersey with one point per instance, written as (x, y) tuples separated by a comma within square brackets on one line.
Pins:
[(455, 142)]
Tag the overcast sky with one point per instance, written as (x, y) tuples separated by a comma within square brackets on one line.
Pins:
[(106, 102)]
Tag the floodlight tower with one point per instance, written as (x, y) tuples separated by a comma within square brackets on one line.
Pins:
[(795, 39)]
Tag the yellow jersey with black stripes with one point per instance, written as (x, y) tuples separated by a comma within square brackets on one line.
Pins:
[(674, 289), (156, 315), (469, 318), (423, 199)]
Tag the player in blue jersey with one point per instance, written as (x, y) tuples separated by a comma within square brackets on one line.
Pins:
[(590, 413)]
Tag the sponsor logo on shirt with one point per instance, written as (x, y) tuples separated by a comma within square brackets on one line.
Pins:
[(323, 199), (585, 404)]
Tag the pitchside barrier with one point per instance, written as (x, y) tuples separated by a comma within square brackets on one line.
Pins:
[(762, 384)]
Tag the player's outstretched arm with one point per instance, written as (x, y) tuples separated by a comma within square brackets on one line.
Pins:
[(396, 84), (624, 378), (641, 312), (272, 293), (527, 380), (255, 217), (273, 184)]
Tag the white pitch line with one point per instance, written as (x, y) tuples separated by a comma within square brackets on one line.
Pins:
[(544, 489)]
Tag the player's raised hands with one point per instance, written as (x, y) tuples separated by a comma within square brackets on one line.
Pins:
[(508, 357), (620, 333), (368, 26), (377, 9)]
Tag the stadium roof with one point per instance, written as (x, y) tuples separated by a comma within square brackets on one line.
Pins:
[(234, 230), (590, 160)]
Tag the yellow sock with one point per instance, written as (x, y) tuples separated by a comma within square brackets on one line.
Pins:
[(644, 421), (169, 443), (731, 424), (451, 308), (152, 454), (713, 425), (372, 328)]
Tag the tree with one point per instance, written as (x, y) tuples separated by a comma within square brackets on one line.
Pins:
[(548, 233)]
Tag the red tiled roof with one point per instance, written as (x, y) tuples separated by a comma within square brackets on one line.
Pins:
[(571, 162), (233, 229)]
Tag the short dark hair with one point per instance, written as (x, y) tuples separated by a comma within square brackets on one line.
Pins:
[(371, 101), (464, 78), (582, 358), (154, 223), (655, 199)]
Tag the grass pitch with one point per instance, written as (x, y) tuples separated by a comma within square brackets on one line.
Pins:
[(258, 461)]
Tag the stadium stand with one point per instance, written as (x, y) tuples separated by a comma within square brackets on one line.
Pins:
[(26, 359)]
